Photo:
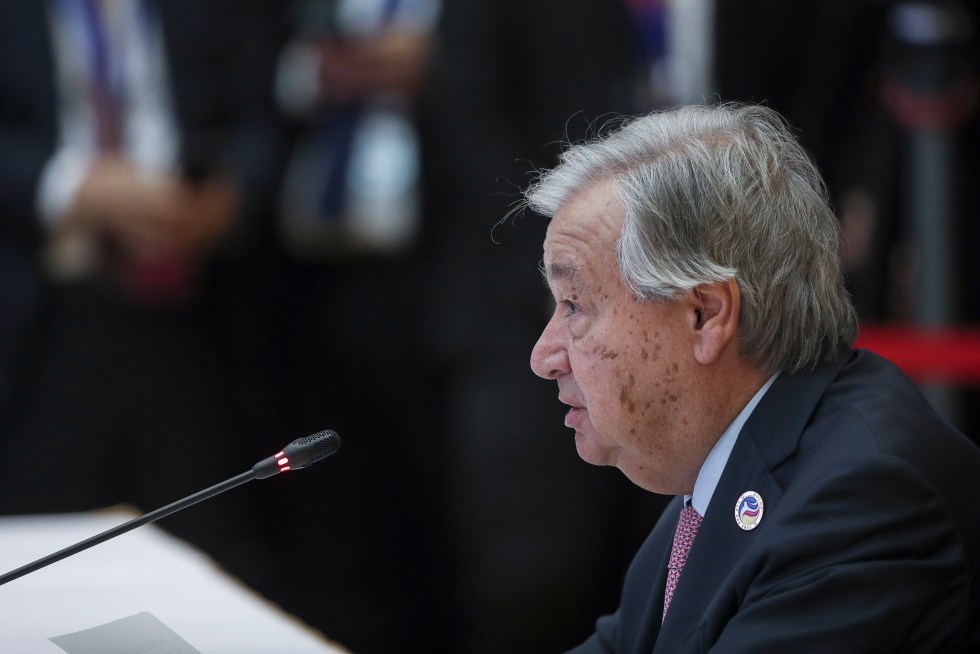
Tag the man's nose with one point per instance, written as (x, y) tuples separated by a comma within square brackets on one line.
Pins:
[(549, 357)]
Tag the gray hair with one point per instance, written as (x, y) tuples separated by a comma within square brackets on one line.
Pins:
[(719, 192)]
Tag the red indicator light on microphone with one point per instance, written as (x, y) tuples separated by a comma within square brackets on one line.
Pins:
[(284, 469), (281, 452), (283, 461)]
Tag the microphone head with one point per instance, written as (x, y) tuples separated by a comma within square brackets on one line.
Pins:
[(304, 452), (301, 453)]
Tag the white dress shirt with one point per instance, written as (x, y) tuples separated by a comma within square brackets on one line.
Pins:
[(714, 463)]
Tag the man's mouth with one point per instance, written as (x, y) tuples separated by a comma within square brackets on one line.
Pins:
[(577, 413), (575, 416)]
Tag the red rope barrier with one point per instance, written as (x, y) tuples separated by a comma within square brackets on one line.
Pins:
[(948, 355)]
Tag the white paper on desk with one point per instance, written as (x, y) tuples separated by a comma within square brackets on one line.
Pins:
[(142, 633)]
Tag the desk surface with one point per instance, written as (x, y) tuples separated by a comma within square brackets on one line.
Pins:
[(143, 570)]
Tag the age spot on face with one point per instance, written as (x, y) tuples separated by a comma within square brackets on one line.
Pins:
[(604, 352), (625, 394)]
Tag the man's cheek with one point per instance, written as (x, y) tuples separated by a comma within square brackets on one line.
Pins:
[(608, 389)]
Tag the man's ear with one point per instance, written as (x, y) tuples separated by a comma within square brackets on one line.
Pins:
[(714, 318)]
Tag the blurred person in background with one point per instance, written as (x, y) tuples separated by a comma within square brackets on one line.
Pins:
[(137, 149), (815, 63), (910, 227), (346, 297)]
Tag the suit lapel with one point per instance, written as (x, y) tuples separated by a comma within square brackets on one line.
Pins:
[(720, 543), (663, 535), (769, 437)]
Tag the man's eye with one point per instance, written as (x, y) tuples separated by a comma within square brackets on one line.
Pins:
[(570, 307)]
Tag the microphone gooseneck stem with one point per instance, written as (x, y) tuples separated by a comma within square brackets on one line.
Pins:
[(128, 526)]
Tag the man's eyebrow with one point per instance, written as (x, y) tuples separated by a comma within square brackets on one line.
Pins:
[(559, 271)]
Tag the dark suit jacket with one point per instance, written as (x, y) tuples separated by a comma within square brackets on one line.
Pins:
[(869, 542)]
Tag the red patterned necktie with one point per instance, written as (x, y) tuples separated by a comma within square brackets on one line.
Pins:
[(687, 529)]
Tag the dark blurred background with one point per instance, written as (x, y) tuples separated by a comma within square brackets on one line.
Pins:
[(225, 225)]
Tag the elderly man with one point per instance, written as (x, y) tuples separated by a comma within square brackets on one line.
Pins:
[(701, 338)]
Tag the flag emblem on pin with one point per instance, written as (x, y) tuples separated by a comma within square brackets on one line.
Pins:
[(748, 510)]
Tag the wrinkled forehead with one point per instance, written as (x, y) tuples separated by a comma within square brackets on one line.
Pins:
[(582, 237)]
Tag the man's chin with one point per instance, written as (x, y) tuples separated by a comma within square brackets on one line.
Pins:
[(589, 449)]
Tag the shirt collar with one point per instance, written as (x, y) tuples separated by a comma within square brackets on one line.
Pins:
[(715, 462)]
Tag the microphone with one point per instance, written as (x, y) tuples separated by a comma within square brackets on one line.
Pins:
[(301, 453)]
